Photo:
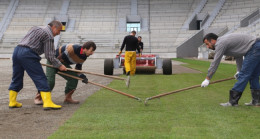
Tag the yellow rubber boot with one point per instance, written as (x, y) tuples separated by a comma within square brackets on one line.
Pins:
[(12, 100), (47, 102)]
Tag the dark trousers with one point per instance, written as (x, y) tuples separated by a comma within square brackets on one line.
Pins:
[(71, 82), (24, 59), (250, 70)]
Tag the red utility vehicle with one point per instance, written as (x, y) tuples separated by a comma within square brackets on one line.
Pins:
[(145, 62)]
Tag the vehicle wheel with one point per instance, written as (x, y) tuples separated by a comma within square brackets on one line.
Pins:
[(167, 66), (108, 66)]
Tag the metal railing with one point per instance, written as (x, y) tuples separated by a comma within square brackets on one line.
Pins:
[(214, 14), (196, 11)]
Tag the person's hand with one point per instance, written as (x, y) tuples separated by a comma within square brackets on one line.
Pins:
[(140, 55), (120, 53), (84, 77), (236, 75), (205, 83), (62, 68)]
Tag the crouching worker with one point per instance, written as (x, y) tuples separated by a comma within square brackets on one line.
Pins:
[(68, 55), (26, 57)]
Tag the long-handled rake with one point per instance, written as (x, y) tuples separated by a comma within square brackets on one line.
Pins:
[(119, 92), (176, 91), (127, 80)]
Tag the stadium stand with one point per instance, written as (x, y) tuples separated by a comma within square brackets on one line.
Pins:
[(166, 20), (164, 25), (95, 20), (28, 13), (233, 11), (3, 6)]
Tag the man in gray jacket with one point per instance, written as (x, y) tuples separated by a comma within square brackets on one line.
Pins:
[(248, 69)]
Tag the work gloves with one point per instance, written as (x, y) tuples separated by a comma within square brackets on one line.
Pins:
[(205, 83), (84, 77), (236, 75)]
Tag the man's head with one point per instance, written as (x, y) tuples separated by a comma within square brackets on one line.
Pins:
[(139, 38), (56, 27), (89, 48), (210, 40), (133, 33)]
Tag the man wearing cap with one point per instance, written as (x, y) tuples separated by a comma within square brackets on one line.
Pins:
[(26, 57)]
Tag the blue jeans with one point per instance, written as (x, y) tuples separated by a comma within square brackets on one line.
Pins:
[(25, 59), (250, 70)]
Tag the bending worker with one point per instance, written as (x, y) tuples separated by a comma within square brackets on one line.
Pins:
[(248, 69), (69, 54), (26, 56), (131, 44)]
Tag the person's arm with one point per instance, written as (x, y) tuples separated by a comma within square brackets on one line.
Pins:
[(239, 61), (123, 45), (137, 46), (81, 75), (61, 57), (214, 65), (49, 52)]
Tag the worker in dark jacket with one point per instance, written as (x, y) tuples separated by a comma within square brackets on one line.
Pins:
[(131, 44)]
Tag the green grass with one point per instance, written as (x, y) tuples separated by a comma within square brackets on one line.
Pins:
[(189, 114)]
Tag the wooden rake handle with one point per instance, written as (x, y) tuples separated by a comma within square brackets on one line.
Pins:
[(80, 71), (122, 93), (183, 89)]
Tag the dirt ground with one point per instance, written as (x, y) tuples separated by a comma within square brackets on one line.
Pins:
[(31, 121)]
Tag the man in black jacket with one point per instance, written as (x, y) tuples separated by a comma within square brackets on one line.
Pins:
[(131, 44)]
